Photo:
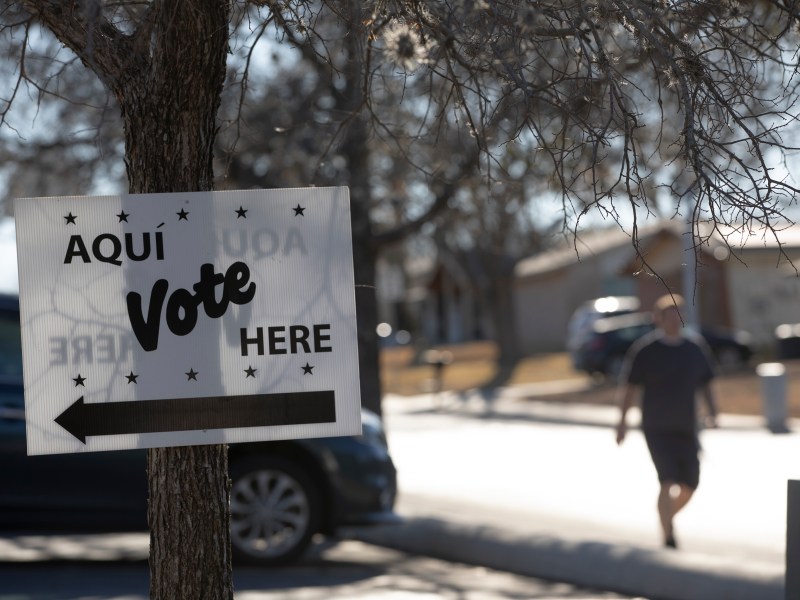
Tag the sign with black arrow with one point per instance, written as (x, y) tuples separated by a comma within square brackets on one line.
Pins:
[(187, 414), (178, 319)]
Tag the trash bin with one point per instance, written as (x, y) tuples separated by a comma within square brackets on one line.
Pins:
[(773, 390)]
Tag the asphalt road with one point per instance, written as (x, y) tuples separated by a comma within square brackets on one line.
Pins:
[(348, 570), (520, 475)]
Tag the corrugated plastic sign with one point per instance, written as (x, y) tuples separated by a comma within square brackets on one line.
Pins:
[(161, 320)]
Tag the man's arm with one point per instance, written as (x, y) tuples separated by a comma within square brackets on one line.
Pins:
[(629, 395), (711, 406)]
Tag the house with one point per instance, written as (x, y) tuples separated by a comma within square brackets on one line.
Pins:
[(762, 280), (745, 281), (433, 297), (549, 286)]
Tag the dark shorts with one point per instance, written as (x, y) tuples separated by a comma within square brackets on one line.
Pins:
[(675, 456)]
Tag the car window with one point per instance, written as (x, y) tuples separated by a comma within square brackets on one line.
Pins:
[(633, 333), (10, 345)]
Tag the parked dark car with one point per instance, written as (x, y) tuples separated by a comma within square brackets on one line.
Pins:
[(603, 351), (283, 493), (587, 314)]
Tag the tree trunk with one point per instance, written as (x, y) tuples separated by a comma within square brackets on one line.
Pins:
[(167, 77), (499, 295), (501, 307), (169, 111), (189, 517), (356, 151), (366, 302), (169, 97)]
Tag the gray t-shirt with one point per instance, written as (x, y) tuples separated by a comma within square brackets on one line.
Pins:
[(670, 374)]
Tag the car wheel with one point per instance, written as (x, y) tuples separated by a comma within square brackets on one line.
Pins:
[(275, 510)]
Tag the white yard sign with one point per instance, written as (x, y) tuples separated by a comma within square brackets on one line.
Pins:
[(193, 318)]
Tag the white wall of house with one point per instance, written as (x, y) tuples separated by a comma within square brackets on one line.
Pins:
[(764, 293), (542, 312), (551, 286)]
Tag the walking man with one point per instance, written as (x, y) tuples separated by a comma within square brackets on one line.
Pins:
[(667, 368)]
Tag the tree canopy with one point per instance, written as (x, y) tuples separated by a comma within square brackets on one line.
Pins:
[(602, 93), (477, 110)]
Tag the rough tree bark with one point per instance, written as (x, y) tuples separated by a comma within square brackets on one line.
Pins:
[(167, 77)]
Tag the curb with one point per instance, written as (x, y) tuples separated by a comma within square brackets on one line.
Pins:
[(657, 575)]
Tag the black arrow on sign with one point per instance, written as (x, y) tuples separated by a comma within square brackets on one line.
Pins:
[(190, 414)]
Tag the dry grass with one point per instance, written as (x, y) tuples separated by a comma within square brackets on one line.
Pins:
[(473, 365)]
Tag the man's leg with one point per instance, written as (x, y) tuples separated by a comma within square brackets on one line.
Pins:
[(666, 512), (682, 498), (671, 499), (675, 459), (689, 477)]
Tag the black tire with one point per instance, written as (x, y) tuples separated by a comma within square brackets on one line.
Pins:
[(275, 510)]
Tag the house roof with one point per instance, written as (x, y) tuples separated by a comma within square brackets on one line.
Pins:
[(741, 238), (590, 244), (582, 247)]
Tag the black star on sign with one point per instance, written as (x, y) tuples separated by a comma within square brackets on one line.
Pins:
[(191, 374), (241, 213), (123, 216), (183, 215), (251, 372), (71, 219), (79, 380), (131, 378), (298, 210), (307, 369)]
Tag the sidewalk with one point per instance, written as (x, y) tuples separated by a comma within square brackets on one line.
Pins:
[(593, 565), (437, 529)]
